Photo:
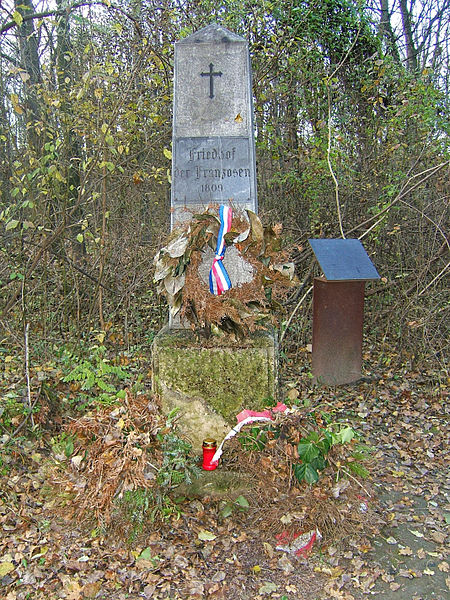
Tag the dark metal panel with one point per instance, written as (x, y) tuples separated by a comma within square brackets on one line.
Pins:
[(342, 260), (338, 309)]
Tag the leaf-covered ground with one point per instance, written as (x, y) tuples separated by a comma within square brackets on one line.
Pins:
[(401, 553)]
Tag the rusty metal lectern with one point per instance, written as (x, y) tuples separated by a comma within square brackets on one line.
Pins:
[(338, 309)]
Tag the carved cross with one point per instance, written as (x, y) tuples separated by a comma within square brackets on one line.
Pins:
[(211, 76)]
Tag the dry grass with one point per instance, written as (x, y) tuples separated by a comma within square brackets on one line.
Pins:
[(112, 452)]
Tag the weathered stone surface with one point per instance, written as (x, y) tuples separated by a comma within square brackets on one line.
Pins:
[(218, 484), (211, 385), (197, 420), (239, 270), (198, 113), (213, 132)]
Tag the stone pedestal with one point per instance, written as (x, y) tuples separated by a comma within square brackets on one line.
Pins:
[(211, 381)]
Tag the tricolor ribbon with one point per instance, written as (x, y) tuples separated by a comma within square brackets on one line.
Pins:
[(219, 281)]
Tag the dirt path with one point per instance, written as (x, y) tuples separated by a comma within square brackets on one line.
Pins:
[(406, 419)]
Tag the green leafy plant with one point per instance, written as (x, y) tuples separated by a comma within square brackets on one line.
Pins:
[(253, 439), (314, 448), (146, 554), (136, 508), (228, 507), (97, 376), (63, 444), (5, 452), (140, 506), (177, 465), (256, 437)]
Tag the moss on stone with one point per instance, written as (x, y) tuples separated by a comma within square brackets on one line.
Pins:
[(185, 338), (228, 377)]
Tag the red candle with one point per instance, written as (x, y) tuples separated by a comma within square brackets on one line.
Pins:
[(209, 449)]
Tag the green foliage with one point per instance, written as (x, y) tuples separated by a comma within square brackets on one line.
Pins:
[(5, 453), (64, 443), (228, 507), (177, 466), (314, 448), (320, 437), (146, 554), (12, 406), (14, 409), (137, 508), (97, 376), (256, 438)]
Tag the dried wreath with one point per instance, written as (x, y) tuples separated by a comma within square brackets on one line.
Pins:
[(246, 306)]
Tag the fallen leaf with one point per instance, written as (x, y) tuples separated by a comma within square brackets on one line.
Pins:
[(73, 590), (268, 588), (293, 394), (146, 554), (438, 537), (285, 564), (90, 590), (405, 551), (144, 565), (76, 460), (149, 590), (418, 534), (406, 573), (5, 568), (268, 549), (206, 536), (391, 540), (443, 566)]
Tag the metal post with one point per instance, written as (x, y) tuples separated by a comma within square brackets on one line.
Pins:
[(338, 309)]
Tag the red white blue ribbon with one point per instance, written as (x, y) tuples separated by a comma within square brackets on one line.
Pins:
[(219, 281)]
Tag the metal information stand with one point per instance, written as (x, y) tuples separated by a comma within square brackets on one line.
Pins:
[(338, 309)]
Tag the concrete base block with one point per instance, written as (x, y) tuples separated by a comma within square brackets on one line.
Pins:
[(211, 381)]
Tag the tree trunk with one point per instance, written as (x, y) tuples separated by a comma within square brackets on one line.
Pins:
[(72, 149), (30, 62), (385, 31), (411, 52)]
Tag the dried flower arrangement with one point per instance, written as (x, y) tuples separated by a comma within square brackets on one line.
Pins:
[(241, 309)]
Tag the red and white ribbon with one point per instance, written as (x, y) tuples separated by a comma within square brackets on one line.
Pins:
[(245, 417)]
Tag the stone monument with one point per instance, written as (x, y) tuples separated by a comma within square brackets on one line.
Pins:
[(213, 148), (213, 163)]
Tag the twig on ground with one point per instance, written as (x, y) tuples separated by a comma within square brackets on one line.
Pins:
[(27, 372), (350, 475), (22, 425)]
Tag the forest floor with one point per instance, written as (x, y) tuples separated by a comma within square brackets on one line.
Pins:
[(398, 553)]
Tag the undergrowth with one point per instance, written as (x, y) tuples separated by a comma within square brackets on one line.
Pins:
[(97, 381), (313, 472), (120, 464)]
